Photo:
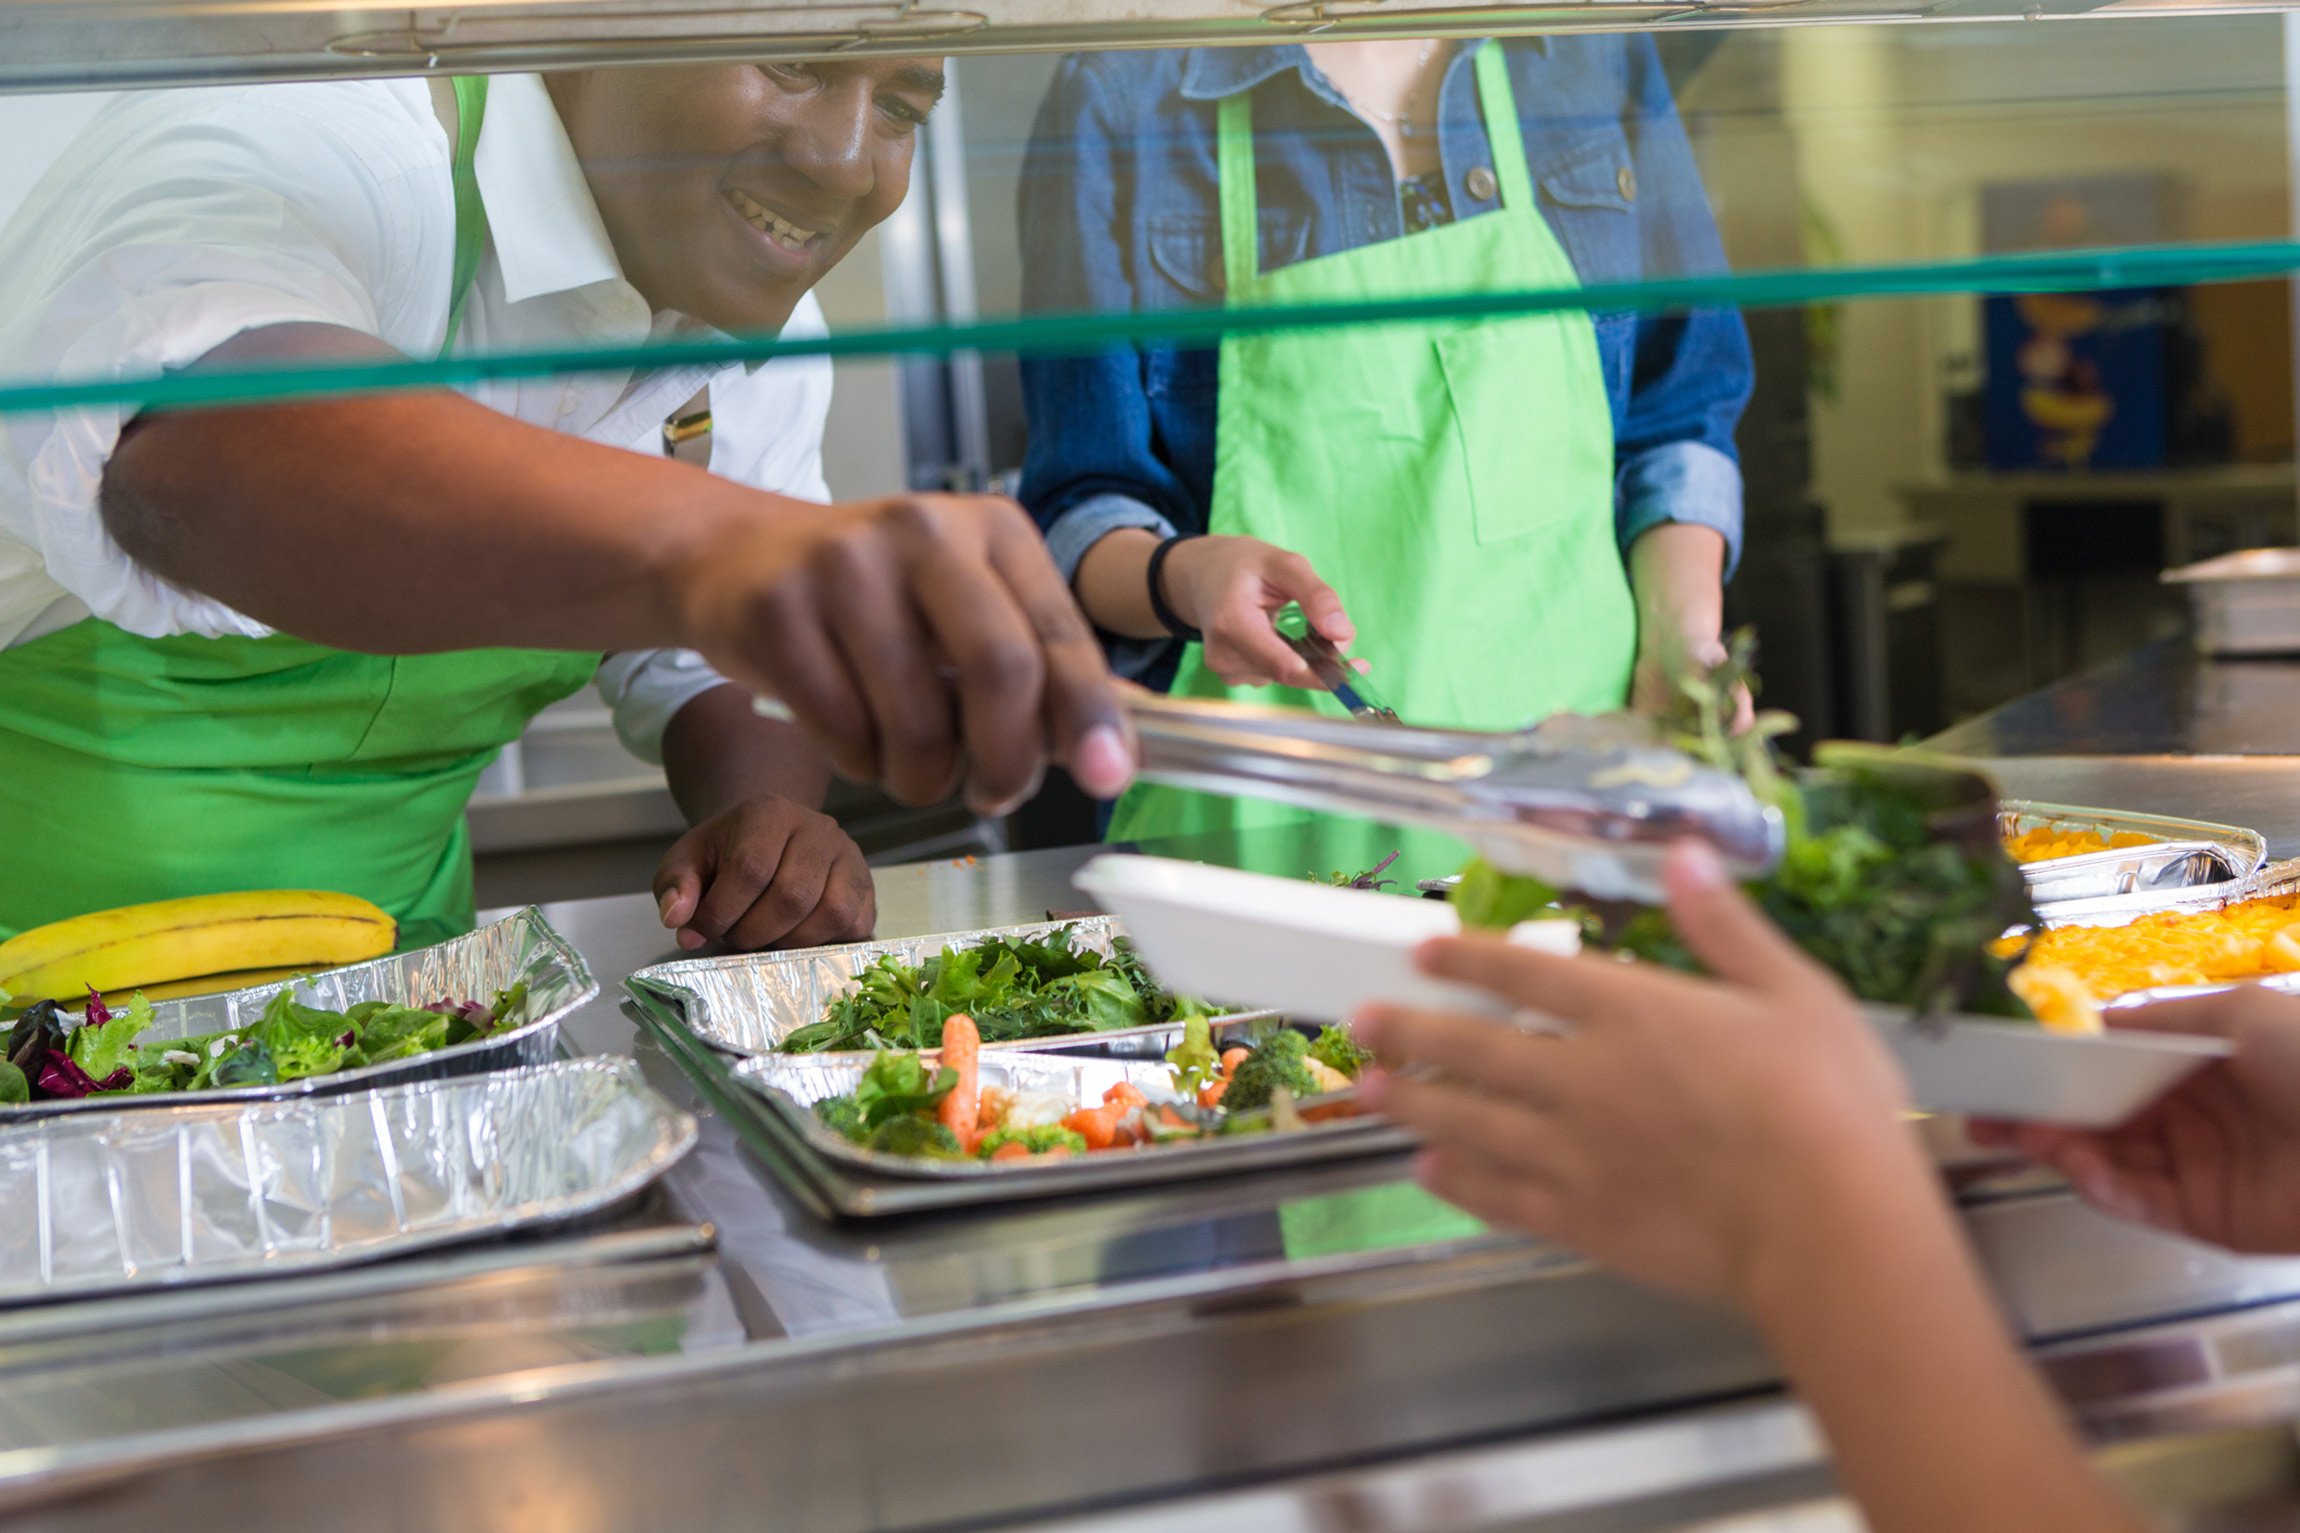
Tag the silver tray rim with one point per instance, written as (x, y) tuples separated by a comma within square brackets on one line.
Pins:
[(676, 1134), (663, 981), (1349, 1138), (458, 1059), (2246, 849)]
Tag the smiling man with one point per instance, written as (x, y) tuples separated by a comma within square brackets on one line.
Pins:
[(274, 645)]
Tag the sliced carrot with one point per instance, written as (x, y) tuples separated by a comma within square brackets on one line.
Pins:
[(1013, 1149), (1232, 1058), (1169, 1118), (1058, 1152), (960, 1110), (1098, 1126), (1125, 1094), (1211, 1095)]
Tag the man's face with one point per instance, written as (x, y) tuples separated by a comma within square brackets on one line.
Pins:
[(729, 190)]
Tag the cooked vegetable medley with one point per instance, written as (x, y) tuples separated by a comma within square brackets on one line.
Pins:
[(2047, 843), (906, 1105), (1012, 988), (107, 1055)]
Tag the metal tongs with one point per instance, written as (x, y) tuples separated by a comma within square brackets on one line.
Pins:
[(1585, 803)]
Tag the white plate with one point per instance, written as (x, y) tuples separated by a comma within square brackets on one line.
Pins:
[(1991, 1069), (1320, 953), (1309, 950)]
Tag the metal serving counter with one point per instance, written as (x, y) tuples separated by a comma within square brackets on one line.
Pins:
[(1273, 1350)]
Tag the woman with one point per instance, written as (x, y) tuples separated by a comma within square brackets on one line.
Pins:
[(1741, 1138), (1509, 517)]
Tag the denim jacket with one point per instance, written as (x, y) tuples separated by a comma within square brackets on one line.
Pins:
[(1118, 212)]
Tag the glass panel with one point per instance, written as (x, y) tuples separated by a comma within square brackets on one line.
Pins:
[(1958, 253)]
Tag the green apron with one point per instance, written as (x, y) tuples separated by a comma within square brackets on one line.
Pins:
[(1453, 482), (139, 769)]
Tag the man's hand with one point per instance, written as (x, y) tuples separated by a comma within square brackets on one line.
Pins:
[(2218, 1158), (925, 640), (767, 873)]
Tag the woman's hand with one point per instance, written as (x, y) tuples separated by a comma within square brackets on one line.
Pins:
[(1232, 589), (2218, 1158), (1684, 1131), (766, 873), (1677, 573), (1229, 588)]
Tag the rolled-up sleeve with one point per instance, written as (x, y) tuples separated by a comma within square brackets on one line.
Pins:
[(1093, 464), (1691, 372), (199, 228), (645, 689)]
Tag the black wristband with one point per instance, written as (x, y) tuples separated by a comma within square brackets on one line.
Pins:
[(1158, 608)]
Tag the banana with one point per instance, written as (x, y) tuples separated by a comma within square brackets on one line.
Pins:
[(181, 939)]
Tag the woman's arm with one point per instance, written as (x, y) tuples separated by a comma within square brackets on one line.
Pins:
[(1741, 1139)]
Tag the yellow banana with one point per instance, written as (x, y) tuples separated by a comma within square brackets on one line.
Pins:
[(180, 939)]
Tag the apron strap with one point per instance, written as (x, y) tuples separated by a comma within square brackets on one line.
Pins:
[(470, 213), (1234, 155), (1503, 131)]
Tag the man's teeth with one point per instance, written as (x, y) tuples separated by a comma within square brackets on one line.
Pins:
[(786, 233)]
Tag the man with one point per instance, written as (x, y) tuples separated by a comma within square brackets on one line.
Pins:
[(273, 645)]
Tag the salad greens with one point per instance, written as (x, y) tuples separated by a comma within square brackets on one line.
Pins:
[(109, 1054), (1886, 876), (1012, 987)]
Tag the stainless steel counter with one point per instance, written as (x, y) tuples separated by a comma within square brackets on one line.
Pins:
[(1169, 1348)]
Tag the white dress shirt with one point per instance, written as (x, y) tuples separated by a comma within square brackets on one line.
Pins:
[(180, 218)]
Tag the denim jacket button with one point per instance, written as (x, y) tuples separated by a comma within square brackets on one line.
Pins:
[(1626, 180), (1479, 183)]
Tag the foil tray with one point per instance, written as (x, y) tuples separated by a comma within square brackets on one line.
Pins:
[(749, 1003), (792, 1082), (2183, 856), (2273, 880), (519, 948), (2244, 603), (133, 1200)]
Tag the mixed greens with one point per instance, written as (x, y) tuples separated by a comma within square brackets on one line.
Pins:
[(1013, 988), (1892, 874), (106, 1054)]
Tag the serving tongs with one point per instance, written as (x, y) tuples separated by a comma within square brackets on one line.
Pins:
[(1585, 803)]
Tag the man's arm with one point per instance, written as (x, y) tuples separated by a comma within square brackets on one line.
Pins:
[(422, 522)]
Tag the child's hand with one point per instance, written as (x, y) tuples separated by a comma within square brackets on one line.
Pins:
[(1688, 1132), (2219, 1157)]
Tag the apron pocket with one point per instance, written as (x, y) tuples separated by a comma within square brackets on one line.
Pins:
[(1534, 424)]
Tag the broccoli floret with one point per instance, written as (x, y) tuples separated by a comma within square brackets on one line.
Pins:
[(1276, 1062), (1037, 1139), (842, 1115), (914, 1135), (1337, 1050)]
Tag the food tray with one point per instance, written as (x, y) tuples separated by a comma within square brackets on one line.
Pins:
[(2272, 880), (519, 948), (793, 1082), (2185, 855), (129, 1200), (748, 1003), (2245, 603)]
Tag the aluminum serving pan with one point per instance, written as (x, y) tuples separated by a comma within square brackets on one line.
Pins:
[(791, 1083), (520, 948), (2273, 880), (2182, 857), (749, 1003), (130, 1200)]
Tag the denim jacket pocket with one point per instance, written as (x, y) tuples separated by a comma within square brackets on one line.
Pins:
[(1591, 195), (1186, 250)]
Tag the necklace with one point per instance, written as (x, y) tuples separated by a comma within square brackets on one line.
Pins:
[(1408, 123)]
